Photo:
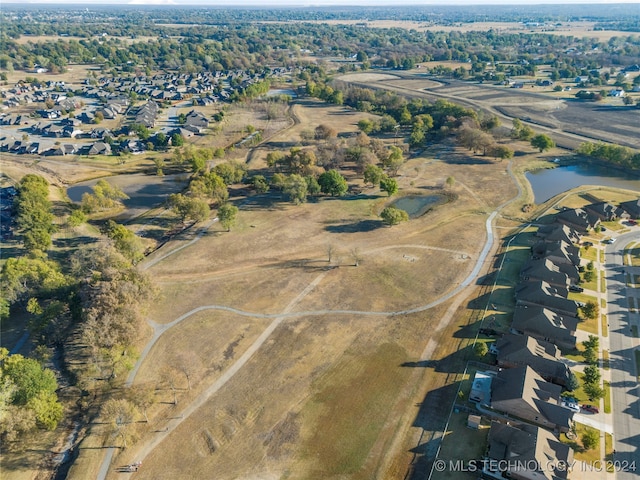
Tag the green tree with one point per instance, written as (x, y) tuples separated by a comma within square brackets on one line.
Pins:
[(365, 125), (332, 183), (500, 151), (542, 142), (590, 438), (29, 378), (47, 409), (313, 187), (373, 174), (125, 241), (590, 310), (177, 140), (393, 216), (227, 215), (231, 172), (395, 159), (389, 185), (296, 188), (189, 208), (77, 218), (260, 183), (572, 382), (592, 374), (593, 391), (450, 181)]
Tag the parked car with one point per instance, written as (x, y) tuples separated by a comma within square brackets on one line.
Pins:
[(575, 288), (609, 241), (590, 409), (571, 405)]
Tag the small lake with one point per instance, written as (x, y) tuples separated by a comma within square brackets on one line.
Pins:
[(417, 205), (281, 91), (547, 183), (144, 191)]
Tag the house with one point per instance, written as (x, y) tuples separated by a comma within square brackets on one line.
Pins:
[(632, 207), (196, 119), (544, 270), (560, 253), (578, 219), (525, 452), (543, 357), (606, 212), (100, 133), (522, 393), (557, 232), (541, 293), (100, 148), (545, 324), (617, 92), (581, 79)]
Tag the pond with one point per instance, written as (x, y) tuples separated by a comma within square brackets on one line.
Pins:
[(417, 205), (144, 191), (547, 183), (274, 92)]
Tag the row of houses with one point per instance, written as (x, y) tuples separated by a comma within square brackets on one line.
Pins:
[(523, 395)]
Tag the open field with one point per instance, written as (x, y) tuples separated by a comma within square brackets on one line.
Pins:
[(562, 118), (276, 260)]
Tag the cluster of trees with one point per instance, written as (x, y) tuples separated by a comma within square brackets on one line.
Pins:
[(592, 376), (104, 197), (249, 44), (28, 399), (33, 214), (616, 155)]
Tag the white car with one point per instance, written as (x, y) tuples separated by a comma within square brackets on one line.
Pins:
[(571, 406)]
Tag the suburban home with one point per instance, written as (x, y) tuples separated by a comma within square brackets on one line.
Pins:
[(558, 232), (100, 148), (545, 324), (606, 212), (617, 92), (544, 357), (559, 252), (515, 450), (544, 270), (578, 219), (520, 392), (542, 294), (632, 207), (196, 119)]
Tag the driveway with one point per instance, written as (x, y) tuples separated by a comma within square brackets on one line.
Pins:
[(625, 391)]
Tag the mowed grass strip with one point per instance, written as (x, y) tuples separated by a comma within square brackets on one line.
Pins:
[(349, 408), (607, 397)]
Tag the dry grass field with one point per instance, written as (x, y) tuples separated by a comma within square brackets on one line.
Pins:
[(327, 393)]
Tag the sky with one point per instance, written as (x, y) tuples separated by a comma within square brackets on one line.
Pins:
[(306, 3)]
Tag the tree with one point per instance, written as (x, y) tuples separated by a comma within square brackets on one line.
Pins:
[(231, 172), (29, 377), (365, 125), (393, 216), (125, 241), (389, 185), (450, 181), (481, 349), (177, 140), (590, 438), (189, 208), (324, 132), (592, 374), (500, 151), (589, 276), (120, 414), (590, 310), (104, 197), (296, 188), (572, 382), (542, 142), (395, 159), (332, 183), (593, 391), (260, 183), (373, 174), (47, 409), (313, 187), (142, 396), (227, 215)]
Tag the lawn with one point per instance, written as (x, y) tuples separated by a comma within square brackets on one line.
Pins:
[(605, 359), (589, 253), (461, 443), (637, 352), (580, 453), (604, 325), (579, 394), (607, 397)]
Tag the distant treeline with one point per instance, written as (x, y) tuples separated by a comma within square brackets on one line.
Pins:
[(620, 157)]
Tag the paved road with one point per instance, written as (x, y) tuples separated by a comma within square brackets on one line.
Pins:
[(625, 390)]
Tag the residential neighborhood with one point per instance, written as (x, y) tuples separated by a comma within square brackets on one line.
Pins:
[(524, 395)]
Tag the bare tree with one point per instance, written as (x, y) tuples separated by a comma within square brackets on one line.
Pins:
[(330, 252), (356, 256)]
